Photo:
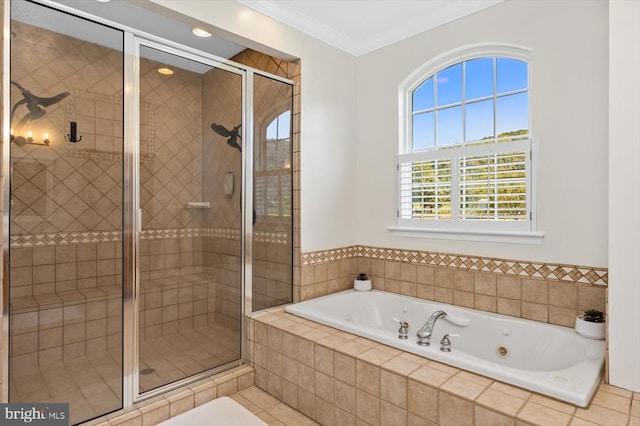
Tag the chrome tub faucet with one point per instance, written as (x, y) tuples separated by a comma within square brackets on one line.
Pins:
[(424, 334)]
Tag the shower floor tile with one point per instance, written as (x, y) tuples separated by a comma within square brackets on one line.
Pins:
[(92, 384), (176, 356)]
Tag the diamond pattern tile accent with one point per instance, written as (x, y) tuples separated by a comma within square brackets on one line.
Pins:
[(578, 274), (33, 240)]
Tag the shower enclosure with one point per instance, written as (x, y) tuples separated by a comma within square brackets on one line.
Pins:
[(150, 207)]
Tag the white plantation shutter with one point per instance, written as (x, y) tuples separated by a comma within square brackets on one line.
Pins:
[(493, 187), (468, 187), (425, 189)]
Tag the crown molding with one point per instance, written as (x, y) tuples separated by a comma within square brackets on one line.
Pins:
[(333, 37)]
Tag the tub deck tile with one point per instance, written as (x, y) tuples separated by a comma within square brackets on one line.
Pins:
[(609, 400), (401, 366), (500, 401), (541, 415), (464, 388), (375, 356), (433, 388), (430, 376)]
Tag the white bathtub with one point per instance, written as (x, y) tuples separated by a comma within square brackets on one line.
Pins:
[(543, 358)]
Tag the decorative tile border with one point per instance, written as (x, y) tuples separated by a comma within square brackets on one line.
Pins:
[(39, 240), (570, 273)]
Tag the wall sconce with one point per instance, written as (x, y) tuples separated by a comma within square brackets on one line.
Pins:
[(29, 140)]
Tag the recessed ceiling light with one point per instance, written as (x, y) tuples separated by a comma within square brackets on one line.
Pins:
[(165, 71), (103, 1), (200, 32)]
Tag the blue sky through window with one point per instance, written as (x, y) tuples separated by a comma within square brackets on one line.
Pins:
[(280, 128), (446, 88)]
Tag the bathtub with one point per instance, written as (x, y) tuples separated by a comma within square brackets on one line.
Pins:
[(543, 358)]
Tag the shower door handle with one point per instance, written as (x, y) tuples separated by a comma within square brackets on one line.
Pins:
[(138, 220)]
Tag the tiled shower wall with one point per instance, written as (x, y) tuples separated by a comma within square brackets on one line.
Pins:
[(542, 292), (66, 202)]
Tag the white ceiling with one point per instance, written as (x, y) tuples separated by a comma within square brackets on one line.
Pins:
[(361, 26)]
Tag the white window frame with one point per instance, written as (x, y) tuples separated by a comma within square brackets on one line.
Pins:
[(522, 232)]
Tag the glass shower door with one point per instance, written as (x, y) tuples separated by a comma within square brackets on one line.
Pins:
[(272, 193), (190, 310), (66, 163)]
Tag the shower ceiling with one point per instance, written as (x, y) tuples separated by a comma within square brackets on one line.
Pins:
[(130, 15)]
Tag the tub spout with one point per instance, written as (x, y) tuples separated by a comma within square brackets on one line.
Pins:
[(424, 334)]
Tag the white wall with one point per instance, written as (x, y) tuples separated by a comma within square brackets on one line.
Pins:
[(328, 121), (624, 194), (569, 111)]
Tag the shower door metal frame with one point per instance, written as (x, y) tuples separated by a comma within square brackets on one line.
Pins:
[(133, 226), (6, 189), (133, 39)]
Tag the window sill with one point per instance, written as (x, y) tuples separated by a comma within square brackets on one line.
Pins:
[(460, 235)]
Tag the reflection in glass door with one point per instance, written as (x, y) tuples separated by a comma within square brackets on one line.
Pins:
[(272, 193), (190, 247), (65, 296)]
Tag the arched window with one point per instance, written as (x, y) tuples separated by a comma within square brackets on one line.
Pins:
[(272, 189), (465, 157)]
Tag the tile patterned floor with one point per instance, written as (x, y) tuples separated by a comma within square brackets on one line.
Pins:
[(92, 384)]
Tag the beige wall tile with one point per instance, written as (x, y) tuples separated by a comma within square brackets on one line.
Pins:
[(392, 286), (345, 368), (485, 284), (368, 377), (444, 295), (591, 297), (367, 407), (392, 415), (563, 294), (408, 273), (443, 277), (343, 418), (508, 287), (485, 303), (393, 388), (463, 298), (463, 280), (562, 316), (408, 288), (324, 387), (512, 307), (422, 400), (485, 417), (424, 291), (425, 275), (454, 411), (535, 311), (345, 396), (535, 291), (392, 270)]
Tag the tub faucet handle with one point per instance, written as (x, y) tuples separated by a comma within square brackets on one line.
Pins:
[(445, 343), (403, 331)]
